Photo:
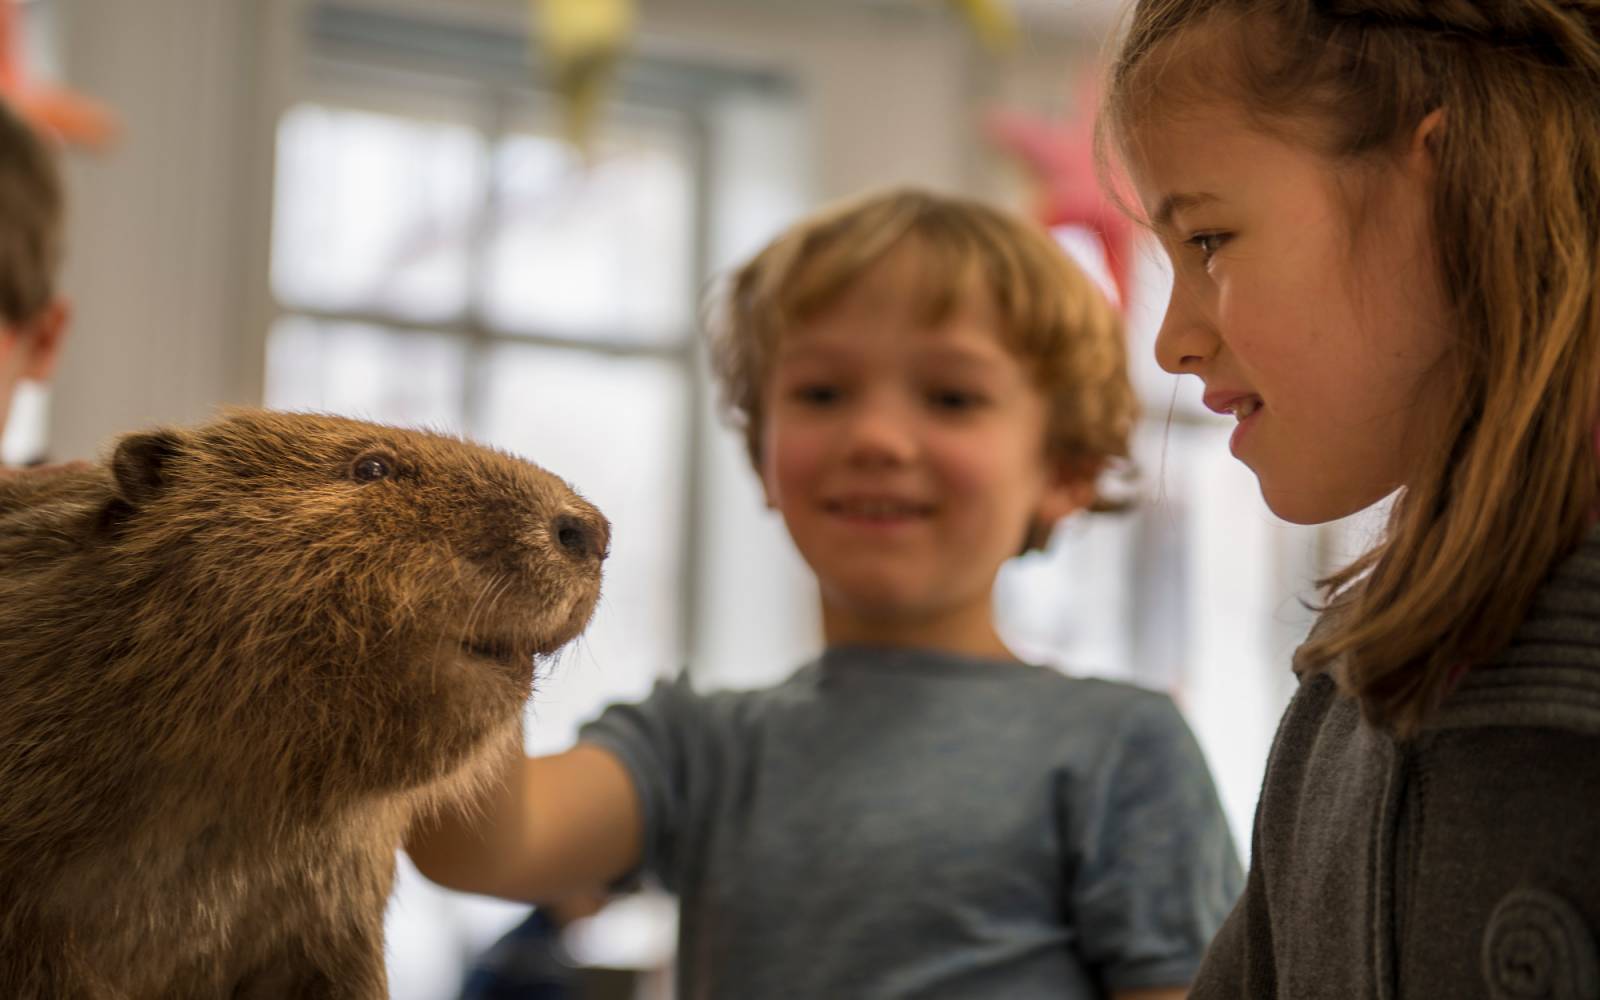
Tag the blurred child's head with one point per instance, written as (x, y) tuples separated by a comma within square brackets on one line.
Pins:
[(1384, 223), (32, 318), (926, 386)]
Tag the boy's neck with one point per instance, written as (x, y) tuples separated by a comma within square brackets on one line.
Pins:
[(968, 631)]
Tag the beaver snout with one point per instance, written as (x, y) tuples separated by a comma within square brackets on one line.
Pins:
[(583, 535)]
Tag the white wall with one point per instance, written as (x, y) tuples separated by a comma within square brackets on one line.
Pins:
[(161, 240)]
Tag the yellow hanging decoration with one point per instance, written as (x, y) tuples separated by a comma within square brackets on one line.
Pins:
[(995, 24), (582, 41)]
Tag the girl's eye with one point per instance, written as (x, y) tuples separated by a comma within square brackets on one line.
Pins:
[(1207, 243), (371, 468)]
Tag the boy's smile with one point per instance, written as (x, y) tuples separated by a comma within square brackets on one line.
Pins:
[(906, 457), (878, 510)]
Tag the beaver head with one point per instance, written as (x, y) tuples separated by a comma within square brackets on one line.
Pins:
[(298, 607)]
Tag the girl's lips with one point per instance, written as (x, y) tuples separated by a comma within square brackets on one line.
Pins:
[(1245, 407), (1232, 402), (1236, 440)]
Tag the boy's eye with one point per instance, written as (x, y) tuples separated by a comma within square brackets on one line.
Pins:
[(955, 399), (816, 393), (1207, 243)]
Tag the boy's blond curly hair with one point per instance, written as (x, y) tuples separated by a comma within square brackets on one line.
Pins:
[(30, 220), (1052, 316)]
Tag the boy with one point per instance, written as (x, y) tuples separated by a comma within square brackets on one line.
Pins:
[(926, 387), (32, 318)]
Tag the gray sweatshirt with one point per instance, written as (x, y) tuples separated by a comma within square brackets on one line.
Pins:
[(1464, 863)]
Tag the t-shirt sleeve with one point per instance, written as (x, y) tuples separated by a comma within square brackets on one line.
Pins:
[(1155, 871), (663, 742)]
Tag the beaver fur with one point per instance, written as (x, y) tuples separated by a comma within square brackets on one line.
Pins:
[(234, 662)]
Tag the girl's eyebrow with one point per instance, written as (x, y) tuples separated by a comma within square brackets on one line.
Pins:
[(1181, 201)]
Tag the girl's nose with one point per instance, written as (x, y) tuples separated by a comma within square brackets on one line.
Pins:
[(1187, 338)]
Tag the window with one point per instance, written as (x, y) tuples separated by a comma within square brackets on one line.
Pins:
[(442, 258), (459, 268)]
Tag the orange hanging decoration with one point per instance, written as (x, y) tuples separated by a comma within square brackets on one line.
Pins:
[(56, 111)]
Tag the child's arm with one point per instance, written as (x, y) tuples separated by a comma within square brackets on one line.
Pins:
[(554, 827)]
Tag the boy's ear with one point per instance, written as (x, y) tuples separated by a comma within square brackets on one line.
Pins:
[(142, 463), (40, 340), (1073, 487)]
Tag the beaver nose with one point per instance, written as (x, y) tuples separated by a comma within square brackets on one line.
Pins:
[(583, 537)]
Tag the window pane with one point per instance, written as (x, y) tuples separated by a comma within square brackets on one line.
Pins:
[(613, 428), (597, 250), (368, 372), (373, 212)]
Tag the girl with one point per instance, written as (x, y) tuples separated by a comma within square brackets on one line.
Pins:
[(1384, 223)]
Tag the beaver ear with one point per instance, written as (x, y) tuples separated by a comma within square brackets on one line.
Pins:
[(140, 464)]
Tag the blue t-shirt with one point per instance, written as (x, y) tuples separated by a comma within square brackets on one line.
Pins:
[(907, 823)]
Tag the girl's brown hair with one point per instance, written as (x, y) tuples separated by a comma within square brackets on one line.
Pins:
[(1051, 315), (1511, 484)]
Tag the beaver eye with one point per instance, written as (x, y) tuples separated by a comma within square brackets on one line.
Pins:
[(370, 469)]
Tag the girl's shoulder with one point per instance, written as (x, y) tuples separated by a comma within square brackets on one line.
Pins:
[(1549, 675)]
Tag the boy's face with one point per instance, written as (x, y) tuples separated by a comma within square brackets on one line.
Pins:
[(908, 463)]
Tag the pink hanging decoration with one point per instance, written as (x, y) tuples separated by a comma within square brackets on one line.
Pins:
[(1060, 159)]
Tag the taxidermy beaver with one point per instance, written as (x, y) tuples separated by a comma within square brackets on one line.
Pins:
[(234, 663)]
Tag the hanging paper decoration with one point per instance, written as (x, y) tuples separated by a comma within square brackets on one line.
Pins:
[(71, 117), (582, 41), (1060, 159), (993, 21)]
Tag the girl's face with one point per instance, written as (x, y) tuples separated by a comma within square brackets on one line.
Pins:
[(908, 462), (1323, 329)]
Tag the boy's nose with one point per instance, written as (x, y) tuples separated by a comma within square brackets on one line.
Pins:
[(880, 434)]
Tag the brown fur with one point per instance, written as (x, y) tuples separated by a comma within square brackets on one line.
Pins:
[(230, 673)]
